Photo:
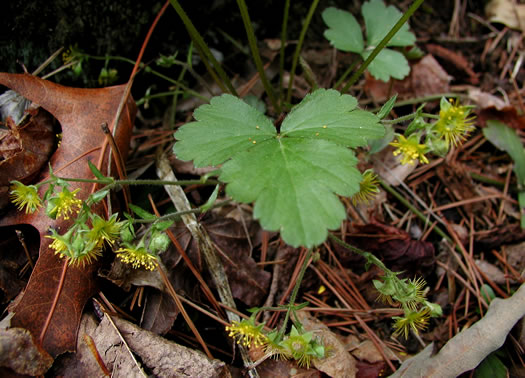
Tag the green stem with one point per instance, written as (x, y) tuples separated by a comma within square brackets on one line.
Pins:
[(178, 214), (112, 183), (283, 46), (418, 213), (178, 83), (408, 117), (255, 53), (419, 100), (299, 46), (346, 73), (204, 51), (382, 44), (370, 258), (295, 291)]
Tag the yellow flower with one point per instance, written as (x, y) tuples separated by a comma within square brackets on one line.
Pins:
[(415, 320), (247, 333), (410, 149), (414, 293), (367, 188), (25, 196), (60, 243), (104, 230), (73, 247), (454, 122), (64, 204), (137, 257)]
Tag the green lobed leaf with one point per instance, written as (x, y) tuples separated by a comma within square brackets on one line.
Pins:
[(223, 128), (326, 114), (379, 19), (344, 32), (388, 63), (293, 181), (294, 177)]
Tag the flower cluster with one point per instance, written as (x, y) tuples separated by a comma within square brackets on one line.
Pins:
[(454, 124), (137, 256), (298, 344), (410, 294), (82, 244), (246, 333), (89, 233)]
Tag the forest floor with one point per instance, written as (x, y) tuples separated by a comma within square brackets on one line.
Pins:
[(454, 222)]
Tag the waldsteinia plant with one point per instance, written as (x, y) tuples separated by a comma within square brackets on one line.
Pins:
[(293, 175)]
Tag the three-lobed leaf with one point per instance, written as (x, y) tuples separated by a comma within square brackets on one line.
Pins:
[(293, 177), (222, 128), (379, 19), (344, 33)]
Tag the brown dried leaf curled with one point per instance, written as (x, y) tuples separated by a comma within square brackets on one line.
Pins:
[(24, 150), (80, 113)]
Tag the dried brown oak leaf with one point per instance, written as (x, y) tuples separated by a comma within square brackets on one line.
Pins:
[(80, 113), (24, 149), (396, 247)]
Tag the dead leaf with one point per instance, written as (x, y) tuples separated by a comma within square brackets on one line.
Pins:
[(371, 370), (468, 348), (426, 77), (456, 178), (485, 100), (249, 282), (506, 12), (394, 246), (366, 350), (492, 272), (160, 312), (389, 167), (163, 357), (271, 368), (20, 352), (456, 59), (24, 150), (507, 115), (13, 259), (516, 256), (338, 362), (80, 113)]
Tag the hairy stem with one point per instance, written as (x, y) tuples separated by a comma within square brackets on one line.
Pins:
[(295, 290)]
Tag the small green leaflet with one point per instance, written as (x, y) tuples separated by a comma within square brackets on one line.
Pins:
[(293, 177), (379, 19)]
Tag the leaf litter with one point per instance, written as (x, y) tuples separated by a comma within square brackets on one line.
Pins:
[(488, 231)]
